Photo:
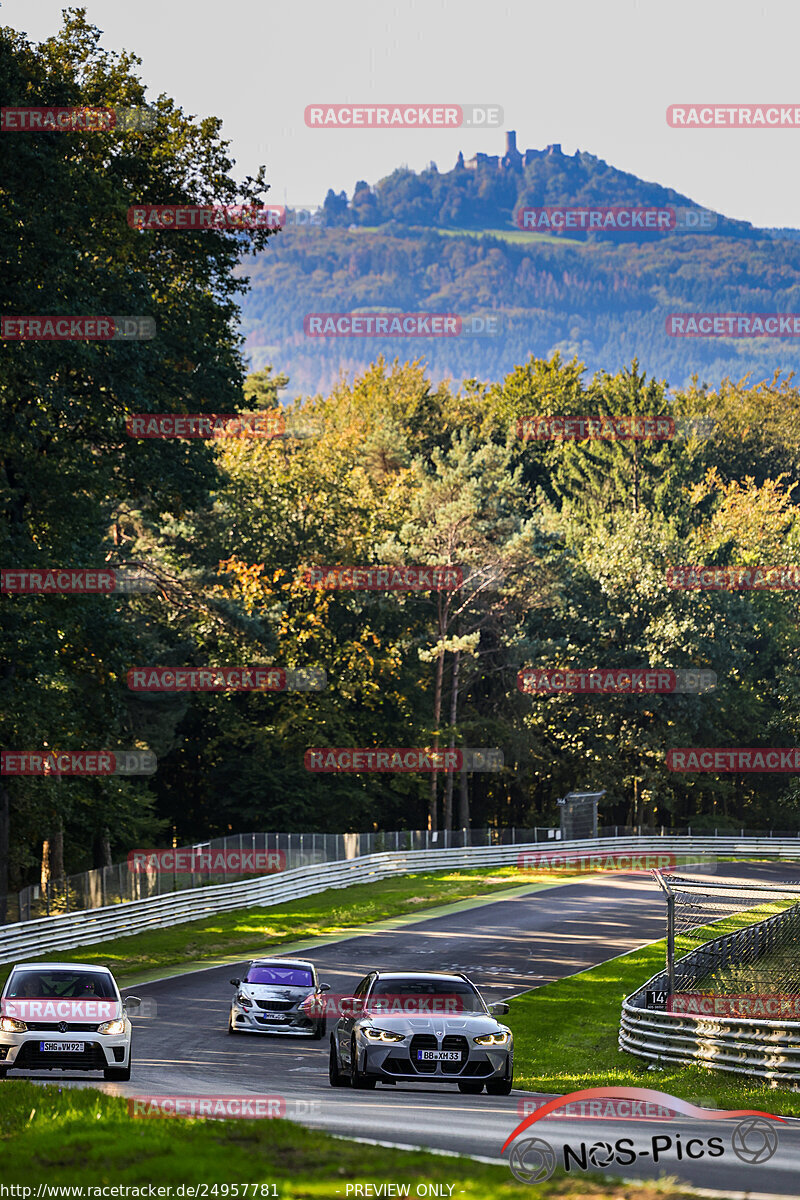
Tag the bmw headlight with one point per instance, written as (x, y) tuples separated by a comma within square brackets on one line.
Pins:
[(111, 1027), (382, 1035), (492, 1039), (12, 1025)]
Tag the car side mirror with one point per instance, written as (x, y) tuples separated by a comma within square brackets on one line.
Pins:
[(324, 987), (499, 1009), (235, 982), (349, 1006), (130, 1003)]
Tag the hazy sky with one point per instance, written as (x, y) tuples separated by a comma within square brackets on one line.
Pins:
[(593, 75)]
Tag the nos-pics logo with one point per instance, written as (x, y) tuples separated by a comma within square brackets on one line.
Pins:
[(753, 1140)]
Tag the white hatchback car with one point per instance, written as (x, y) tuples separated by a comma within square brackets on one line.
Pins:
[(65, 1017)]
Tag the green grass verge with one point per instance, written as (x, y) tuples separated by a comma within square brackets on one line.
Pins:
[(83, 1137), (257, 930), (565, 1039), (506, 235)]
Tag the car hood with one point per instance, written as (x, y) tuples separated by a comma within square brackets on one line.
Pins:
[(266, 991), (470, 1024)]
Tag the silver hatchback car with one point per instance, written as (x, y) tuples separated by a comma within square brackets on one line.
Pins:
[(432, 1028), (279, 995)]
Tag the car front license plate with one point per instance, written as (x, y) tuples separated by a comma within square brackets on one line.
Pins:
[(439, 1055), (61, 1047), (270, 1016)]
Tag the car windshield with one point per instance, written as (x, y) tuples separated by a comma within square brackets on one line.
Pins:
[(72, 985), (425, 995), (281, 976)]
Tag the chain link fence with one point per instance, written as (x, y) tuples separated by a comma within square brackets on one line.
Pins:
[(728, 938)]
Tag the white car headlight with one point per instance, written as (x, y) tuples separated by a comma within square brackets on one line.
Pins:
[(244, 1001), (111, 1027), (492, 1039), (382, 1035), (12, 1025)]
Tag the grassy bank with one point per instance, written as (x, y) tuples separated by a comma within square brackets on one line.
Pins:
[(565, 1037), (83, 1137)]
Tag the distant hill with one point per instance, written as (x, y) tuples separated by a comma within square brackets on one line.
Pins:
[(449, 243), (487, 192)]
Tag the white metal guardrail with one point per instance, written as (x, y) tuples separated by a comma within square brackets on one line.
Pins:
[(767, 1049), (89, 926)]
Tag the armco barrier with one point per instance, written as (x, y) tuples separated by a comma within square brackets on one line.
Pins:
[(768, 1049), (88, 926)]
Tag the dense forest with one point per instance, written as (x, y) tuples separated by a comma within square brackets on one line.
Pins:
[(563, 546), (604, 303)]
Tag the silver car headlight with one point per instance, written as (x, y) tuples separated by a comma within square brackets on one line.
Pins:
[(111, 1027), (244, 1001), (382, 1035), (492, 1039), (12, 1025)]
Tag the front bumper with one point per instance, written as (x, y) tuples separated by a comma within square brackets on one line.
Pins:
[(293, 1023), (401, 1060), (22, 1051)]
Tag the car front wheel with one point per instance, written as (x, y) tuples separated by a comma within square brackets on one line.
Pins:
[(358, 1080), (499, 1087), (336, 1078), (121, 1074)]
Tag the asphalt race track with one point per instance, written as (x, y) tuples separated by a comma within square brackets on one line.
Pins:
[(507, 947)]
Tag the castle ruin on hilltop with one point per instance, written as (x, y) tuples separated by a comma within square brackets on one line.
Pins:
[(512, 160)]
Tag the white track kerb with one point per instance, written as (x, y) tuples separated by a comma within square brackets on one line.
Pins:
[(88, 926)]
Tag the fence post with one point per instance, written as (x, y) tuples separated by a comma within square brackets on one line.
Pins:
[(671, 942)]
